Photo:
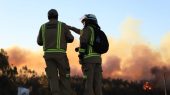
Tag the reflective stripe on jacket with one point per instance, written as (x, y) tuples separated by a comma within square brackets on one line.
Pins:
[(57, 48), (87, 38), (54, 36)]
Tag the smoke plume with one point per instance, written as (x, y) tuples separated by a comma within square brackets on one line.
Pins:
[(136, 56), (129, 57), (24, 57)]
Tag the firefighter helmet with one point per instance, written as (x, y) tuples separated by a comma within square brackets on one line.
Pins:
[(89, 17)]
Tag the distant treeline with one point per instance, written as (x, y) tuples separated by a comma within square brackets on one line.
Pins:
[(11, 79)]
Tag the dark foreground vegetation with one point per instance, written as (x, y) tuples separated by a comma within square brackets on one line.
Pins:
[(11, 79)]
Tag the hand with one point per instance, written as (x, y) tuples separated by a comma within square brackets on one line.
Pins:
[(77, 49)]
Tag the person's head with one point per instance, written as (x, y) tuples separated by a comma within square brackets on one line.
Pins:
[(52, 14), (89, 19)]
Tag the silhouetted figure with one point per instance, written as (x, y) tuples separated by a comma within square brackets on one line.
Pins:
[(90, 60), (54, 36)]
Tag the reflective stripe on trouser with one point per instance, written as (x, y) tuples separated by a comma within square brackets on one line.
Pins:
[(93, 79), (58, 67)]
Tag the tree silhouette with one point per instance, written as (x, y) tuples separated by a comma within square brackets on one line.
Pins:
[(10, 80), (3, 61)]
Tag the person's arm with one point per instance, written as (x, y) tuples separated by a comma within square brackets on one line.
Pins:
[(76, 30), (69, 37), (39, 38)]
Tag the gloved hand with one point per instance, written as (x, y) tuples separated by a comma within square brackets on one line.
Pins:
[(81, 55), (77, 49)]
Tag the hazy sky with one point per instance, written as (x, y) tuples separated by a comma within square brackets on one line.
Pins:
[(21, 19)]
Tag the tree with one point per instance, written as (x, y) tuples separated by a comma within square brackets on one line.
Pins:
[(4, 65)]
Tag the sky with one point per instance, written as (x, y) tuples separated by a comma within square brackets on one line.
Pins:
[(21, 20)]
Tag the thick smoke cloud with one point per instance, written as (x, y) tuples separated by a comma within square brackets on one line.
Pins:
[(112, 66), (137, 56), (129, 57), (23, 57)]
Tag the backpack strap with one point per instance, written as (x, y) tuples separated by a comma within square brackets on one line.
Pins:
[(90, 46)]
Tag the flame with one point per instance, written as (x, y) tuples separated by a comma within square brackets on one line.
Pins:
[(147, 86)]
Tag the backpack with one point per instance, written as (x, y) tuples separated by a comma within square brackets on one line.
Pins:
[(100, 43)]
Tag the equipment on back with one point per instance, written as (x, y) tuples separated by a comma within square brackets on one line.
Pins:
[(100, 43)]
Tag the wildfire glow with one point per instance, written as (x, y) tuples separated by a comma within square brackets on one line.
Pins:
[(129, 57), (147, 86)]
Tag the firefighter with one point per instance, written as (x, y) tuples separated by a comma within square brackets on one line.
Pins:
[(90, 60), (54, 36)]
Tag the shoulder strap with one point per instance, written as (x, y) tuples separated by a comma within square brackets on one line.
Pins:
[(91, 40)]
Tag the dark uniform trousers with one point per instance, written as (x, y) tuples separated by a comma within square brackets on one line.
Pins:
[(93, 78), (58, 73)]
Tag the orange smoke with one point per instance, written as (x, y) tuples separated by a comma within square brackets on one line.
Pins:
[(133, 63), (23, 57), (34, 59), (129, 57), (112, 66), (73, 58)]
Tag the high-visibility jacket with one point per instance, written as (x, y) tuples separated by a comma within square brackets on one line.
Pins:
[(54, 36), (86, 42)]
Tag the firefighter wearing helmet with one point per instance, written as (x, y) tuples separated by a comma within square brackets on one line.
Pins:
[(54, 36), (90, 60)]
